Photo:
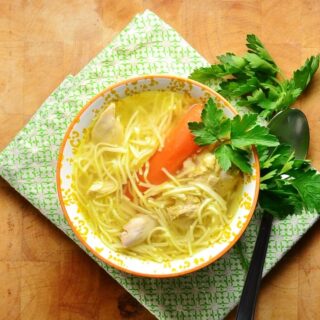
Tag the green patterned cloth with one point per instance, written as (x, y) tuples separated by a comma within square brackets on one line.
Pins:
[(28, 163)]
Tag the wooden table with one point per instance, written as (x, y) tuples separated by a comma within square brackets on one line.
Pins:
[(43, 275)]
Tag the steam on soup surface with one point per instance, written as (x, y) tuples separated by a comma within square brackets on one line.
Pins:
[(143, 184)]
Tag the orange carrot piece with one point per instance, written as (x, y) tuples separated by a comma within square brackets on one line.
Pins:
[(178, 146)]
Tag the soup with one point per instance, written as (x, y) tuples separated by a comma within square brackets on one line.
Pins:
[(143, 184)]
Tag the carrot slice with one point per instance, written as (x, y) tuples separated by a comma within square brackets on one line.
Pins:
[(178, 146)]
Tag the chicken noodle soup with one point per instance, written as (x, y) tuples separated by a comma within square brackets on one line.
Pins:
[(143, 184)]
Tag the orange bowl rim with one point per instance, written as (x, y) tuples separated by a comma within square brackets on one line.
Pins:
[(83, 241)]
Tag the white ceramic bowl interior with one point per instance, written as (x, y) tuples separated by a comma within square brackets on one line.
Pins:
[(82, 228)]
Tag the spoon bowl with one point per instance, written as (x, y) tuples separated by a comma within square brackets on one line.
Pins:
[(291, 127)]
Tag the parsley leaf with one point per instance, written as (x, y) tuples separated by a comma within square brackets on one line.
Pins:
[(233, 136), (202, 136), (214, 125), (235, 88), (307, 183), (232, 63), (224, 155), (227, 156), (246, 132), (287, 185), (291, 89), (256, 46), (205, 74), (279, 204), (303, 76), (211, 116), (259, 64)]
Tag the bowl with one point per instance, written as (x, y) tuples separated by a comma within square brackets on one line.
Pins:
[(81, 227)]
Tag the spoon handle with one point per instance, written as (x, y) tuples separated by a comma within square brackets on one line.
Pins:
[(251, 287)]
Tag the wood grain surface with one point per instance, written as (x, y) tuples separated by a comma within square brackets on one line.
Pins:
[(45, 276)]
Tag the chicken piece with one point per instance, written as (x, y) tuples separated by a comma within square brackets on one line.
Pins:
[(137, 230), (209, 160), (180, 209), (212, 180), (108, 128), (226, 184), (101, 187), (199, 165), (187, 208)]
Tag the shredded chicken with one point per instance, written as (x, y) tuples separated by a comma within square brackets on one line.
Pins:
[(179, 209), (226, 184), (200, 165), (203, 168), (137, 230), (108, 128), (102, 187)]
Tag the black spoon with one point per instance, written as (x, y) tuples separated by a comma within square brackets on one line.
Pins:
[(291, 127)]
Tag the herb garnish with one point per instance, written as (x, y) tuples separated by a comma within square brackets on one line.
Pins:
[(256, 81), (288, 185), (232, 137)]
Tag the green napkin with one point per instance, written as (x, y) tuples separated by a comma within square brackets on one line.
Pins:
[(146, 45)]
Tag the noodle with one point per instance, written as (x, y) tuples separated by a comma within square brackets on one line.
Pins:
[(190, 214)]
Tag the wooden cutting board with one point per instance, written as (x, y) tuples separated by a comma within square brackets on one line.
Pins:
[(43, 275)]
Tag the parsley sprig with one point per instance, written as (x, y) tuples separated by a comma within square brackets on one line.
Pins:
[(254, 80), (288, 185), (232, 137)]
